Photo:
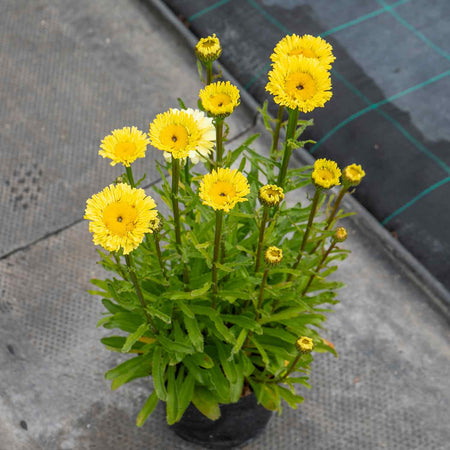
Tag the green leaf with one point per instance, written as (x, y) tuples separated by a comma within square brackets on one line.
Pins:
[(185, 393), (229, 368), (266, 394), (291, 398), (261, 350), (132, 338), (206, 403), (174, 346), (239, 342), (194, 333), (158, 373), (147, 409), (287, 313), (159, 314), (280, 334), (185, 309), (103, 320), (126, 321), (127, 366), (172, 397), (227, 335), (243, 321), (181, 103)]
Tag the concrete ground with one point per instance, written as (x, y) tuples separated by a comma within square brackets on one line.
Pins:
[(71, 72)]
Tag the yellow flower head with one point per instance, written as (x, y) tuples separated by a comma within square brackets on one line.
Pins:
[(299, 83), (220, 99), (271, 195), (176, 132), (208, 49), (206, 140), (223, 189), (304, 344), (352, 175), (273, 255), (307, 46), (325, 174), (124, 146), (341, 234), (120, 216)]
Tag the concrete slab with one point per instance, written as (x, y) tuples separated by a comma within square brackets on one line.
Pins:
[(389, 389)]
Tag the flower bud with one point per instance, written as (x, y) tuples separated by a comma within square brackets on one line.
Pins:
[(273, 255), (304, 344), (271, 195), (208, 49), (352, 175), (341, 234)]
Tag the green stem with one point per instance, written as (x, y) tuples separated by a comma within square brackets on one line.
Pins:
[(217, 239), (209, 73), (291, 367), (119, 266), (176, 212), (315, 201), (130, 176), (261, 238), (159, 255), (131, 267), (290, 134), (330, 219), (276, 132), (219, 141), (319, 266), (187, 174)]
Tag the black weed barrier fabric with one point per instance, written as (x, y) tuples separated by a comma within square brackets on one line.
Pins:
[(390, 107)]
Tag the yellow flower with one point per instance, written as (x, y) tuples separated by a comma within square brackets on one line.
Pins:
[(220, 99), (341, 234), (352, 175), (208, 49), (124, 146), (307, 46), (325, 174), (176, 132), (299, 83), (271, 195), (273, 255), (206, 140), (304, 344), (223, 189), (120, 216)]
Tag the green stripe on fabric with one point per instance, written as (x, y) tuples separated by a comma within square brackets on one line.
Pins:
[(269, 17), (417, 33), (362, 18), (207, 10), (415, 199), (377, 105)]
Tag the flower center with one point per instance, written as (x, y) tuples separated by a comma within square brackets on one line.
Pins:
[(352, 173), (174, 136), (209, 43), (300, 85), (220, 100), (324, 174), (222, 191), (125, 149), (306, 52), (119, 218)]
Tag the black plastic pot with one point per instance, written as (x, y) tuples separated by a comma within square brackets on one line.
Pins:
[(239, 422)]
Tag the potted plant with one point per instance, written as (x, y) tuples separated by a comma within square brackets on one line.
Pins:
[(221, 301)]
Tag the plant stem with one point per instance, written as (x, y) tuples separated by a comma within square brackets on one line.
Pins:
[(187, 175), (330, 219), (291, 367), (276, 132), (159, 255), (315, 201), (209, 72), (130, 176), (219, 141), (131, 267), (217, 239), (319, 266), (290, 134), (119, 266), (176, 212), (261, 238)]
